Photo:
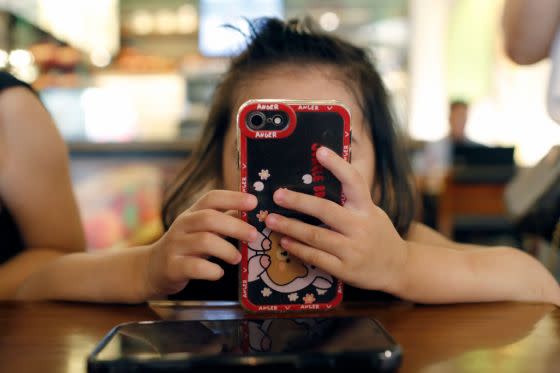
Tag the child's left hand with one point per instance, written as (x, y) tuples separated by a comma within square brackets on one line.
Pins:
[(362, 248)]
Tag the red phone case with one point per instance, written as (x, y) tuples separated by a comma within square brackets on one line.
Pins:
[(269, 158)]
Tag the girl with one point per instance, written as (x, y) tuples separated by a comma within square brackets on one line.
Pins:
[(373, 244)]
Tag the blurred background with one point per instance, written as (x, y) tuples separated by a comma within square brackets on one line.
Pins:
[(129, 82)]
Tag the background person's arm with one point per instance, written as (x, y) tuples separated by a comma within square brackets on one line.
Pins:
[(529, 29), (35, 186)]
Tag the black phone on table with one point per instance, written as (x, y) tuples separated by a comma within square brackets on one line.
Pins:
[(274, 344)]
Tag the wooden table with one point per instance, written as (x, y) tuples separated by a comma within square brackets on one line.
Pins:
[(495, 337)]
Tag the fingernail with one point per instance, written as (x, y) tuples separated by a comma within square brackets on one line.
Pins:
[(279, 195), (251, 200), (284, 241), (323, 152), (271, 220), (238, 258), (253, 235)]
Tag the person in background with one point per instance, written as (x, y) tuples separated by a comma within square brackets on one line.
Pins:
[(39, 219), (458, 117), (434, 162)]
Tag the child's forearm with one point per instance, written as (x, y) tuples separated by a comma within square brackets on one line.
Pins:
[(113, 276), (439, 275), (16, 270)]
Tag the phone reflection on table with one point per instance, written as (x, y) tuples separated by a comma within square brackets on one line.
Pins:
[(245, 337)]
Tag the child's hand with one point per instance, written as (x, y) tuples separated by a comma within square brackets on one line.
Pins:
[(198, 233), (362, 247)]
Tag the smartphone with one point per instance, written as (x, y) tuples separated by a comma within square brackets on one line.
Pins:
[(277, 144), (278, 344)]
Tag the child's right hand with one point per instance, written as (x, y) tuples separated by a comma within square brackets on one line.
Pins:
[(182, 253)]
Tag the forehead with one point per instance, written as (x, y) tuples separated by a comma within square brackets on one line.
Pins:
[(301, 83)]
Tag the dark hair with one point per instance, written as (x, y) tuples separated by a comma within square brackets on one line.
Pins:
[(458, 103), (272, 42)]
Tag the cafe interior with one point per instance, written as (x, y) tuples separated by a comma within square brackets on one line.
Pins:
[(129, 84)]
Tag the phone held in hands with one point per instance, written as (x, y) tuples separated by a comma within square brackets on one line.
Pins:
[(277, 143)]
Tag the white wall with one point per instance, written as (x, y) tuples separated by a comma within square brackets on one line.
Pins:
[(511, 111), (428, 96)]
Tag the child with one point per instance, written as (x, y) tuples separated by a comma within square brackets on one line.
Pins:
[(373, 244)]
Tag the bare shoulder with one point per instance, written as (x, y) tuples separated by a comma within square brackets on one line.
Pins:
[(34, 174), (28, 132)]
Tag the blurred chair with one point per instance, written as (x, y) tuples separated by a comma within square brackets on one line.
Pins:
[(533, 202), (473, 206), (472, 199)]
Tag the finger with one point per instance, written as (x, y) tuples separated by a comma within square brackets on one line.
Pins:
[(329, 212), (354, 186), (319, 258), (207, 244), (318, 237), (225, 200), (194, 268), (217, 222)]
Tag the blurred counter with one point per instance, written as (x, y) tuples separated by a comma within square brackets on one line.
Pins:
[(120, 188), (137, 149)]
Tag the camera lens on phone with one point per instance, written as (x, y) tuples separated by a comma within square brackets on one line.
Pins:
[(256, 120), (277, 120)]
